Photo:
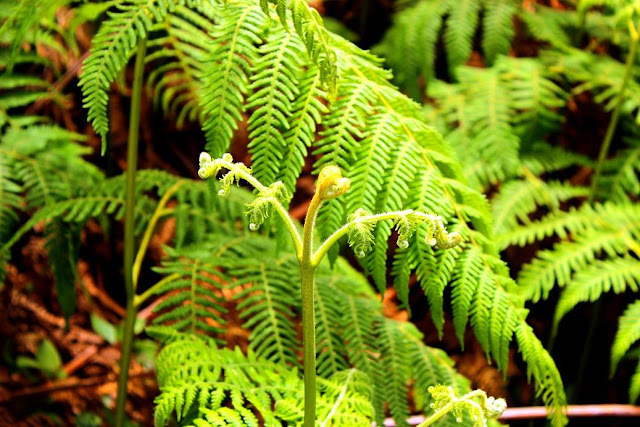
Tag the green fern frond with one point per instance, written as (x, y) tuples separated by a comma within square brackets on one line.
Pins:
[(588, 284), (461, 26), (193, 301), (310, 29), (612, 231), (540, 366), (195, 376), (549, 24), (178, 58), (620, 176), (628, 334), (518, 199), (266, 305), (227, 82), (274, 86), (111, 49), (498, 28)]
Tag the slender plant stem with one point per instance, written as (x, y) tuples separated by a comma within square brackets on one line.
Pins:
[(309, 344), (307, 272), (129, 228), (437, 416), (148, 233), (337, 235), (604, 150), (613, 123)]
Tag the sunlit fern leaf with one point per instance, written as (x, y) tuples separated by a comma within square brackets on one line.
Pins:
[(432, 366), (307, 110), (229, 66), (464, 284), (627, 335), (417, 26), (545, 374), (22, 90), (599, 74), (498, 28), (111, 49), (350, 391), (274, 87), (11, 200), (192, 373), (518, 199), (540, 157), (357, 326), (612, 232), (461, 26), (23, 17), (193, 300), (79, 209), (620, 176), (310, 29), (588, 284)]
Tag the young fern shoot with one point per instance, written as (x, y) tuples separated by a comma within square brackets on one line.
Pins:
[(445, 401), (330, 184)]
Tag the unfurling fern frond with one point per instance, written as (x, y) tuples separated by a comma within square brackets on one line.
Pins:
[(196, 378)]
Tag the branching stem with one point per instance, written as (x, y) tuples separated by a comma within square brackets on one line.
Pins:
[(330, 184)]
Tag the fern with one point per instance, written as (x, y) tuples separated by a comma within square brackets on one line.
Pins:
[(111, 49), (627, 335), (241, 32), (347, 313), (193, 373), (410, 44), (612, 232)]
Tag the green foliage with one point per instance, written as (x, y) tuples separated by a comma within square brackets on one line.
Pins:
[(194, 375), (112, 47), (410, 45), (349, 325), (627, 335)]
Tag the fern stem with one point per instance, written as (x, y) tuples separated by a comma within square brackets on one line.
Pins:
[(604, 149), (307, 271), (129, 230), (337, 235), (309, 344), (148, 233), (139, 299)]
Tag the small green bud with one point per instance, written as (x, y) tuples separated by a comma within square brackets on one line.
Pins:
[(331, 184)]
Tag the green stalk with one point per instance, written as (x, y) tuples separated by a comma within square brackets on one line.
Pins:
[(604, 150), (613, 123), (129, 242), (307, 271)]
